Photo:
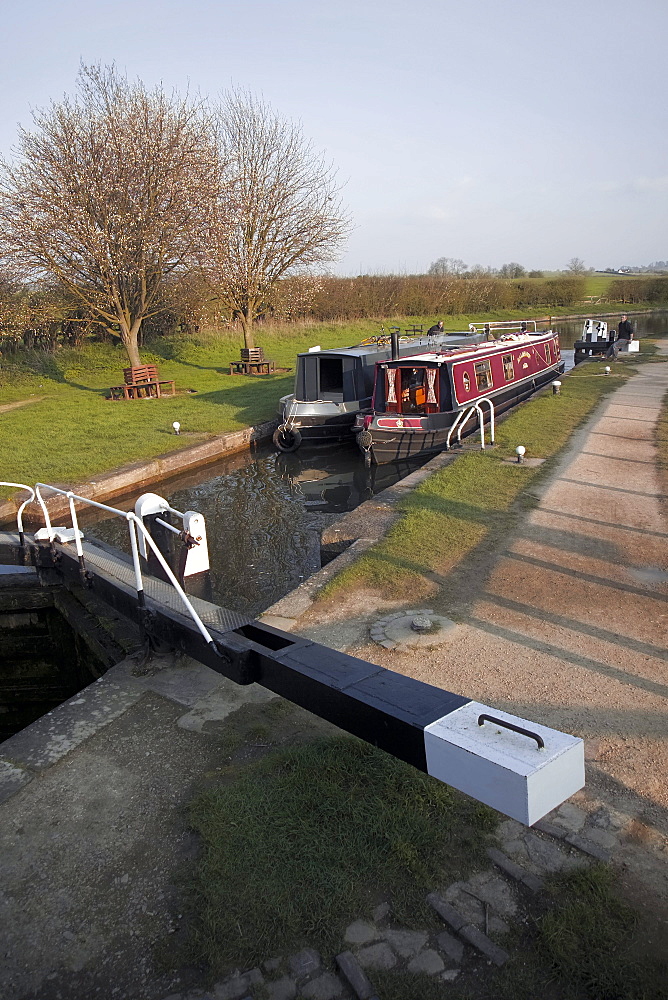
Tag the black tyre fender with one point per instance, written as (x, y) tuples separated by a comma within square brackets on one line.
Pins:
[(287, 438), (364, 440)]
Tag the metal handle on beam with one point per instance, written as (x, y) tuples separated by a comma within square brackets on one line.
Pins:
[(516, 729)]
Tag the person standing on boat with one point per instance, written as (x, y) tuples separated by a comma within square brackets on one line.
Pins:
[(624, 336), (434, 330)]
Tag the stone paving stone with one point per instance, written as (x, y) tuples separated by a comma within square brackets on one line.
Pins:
[(588, 847), (450, 946), (467, 905), (482, 943), (449, 975), (444, 909), (236, 987), (494, 890), (472, 909), (377, 956), (510, 829), (406, 943), (429, 962), (12, 779), (282, 989), (570, 816), (388, 645), (361, 932), (514, 870), (517, 849), (603, 838), (608, 819), (353, 973), (551, 829), (546, 855), (325, 987), (305, 963)]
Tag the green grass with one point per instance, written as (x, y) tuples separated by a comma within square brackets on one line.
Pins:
[(453, 511), (298, 844)]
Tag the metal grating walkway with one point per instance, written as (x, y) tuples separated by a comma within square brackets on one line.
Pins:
[(221, 619)]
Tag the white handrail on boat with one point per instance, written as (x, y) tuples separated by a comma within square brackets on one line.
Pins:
[(462, 418), (486, 399), (134, 523), (521, 326)]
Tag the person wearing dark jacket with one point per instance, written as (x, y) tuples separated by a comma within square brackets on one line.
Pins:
[(624, 335), (435, 329)]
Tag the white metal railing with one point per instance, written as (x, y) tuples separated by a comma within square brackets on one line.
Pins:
[(520, 326), (138, 534), (464, 415), (19, 513)]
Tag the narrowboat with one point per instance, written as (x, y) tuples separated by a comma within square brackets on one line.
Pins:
[(332, 386), (420, 401)]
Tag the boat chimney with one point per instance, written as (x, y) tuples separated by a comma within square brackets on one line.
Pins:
[(395, 345)]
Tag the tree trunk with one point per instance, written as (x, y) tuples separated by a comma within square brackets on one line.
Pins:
[(246, 317), (130, 338)]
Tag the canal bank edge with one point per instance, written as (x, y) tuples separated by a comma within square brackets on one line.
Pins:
[(347, 539), (128, 477)]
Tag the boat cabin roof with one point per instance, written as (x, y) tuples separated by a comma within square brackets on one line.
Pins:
[(365, 350), (470, 350)]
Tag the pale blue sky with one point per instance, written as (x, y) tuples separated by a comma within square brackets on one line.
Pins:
[(490, 131)]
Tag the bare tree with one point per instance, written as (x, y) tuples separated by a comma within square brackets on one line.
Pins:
[(447, 267), (289, 218), (512, 270), (576, 266), (112, 192)]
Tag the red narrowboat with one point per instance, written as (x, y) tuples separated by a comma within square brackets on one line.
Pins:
[(426, 402)]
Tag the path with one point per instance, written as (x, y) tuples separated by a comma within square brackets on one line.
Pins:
[(20, 402), (568, 626)]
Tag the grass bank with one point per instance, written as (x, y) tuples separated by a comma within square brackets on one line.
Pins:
[(453, 511)]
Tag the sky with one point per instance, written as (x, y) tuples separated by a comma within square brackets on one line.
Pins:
[(490, 131)]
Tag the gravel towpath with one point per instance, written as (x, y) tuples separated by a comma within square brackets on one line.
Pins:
[(567, 624)]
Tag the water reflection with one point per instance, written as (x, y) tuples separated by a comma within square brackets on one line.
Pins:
[(265, 515), (645, 325)]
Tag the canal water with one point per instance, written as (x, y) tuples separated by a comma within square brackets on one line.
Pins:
[(644, 325), (264, 516), (265, 511)]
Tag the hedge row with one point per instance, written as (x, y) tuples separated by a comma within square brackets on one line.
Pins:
[(372, 296)]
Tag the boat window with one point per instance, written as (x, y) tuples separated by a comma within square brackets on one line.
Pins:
[(331, 375), (413, 390), (483, 374), (467, 382), (548, 353), (508, 367)]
